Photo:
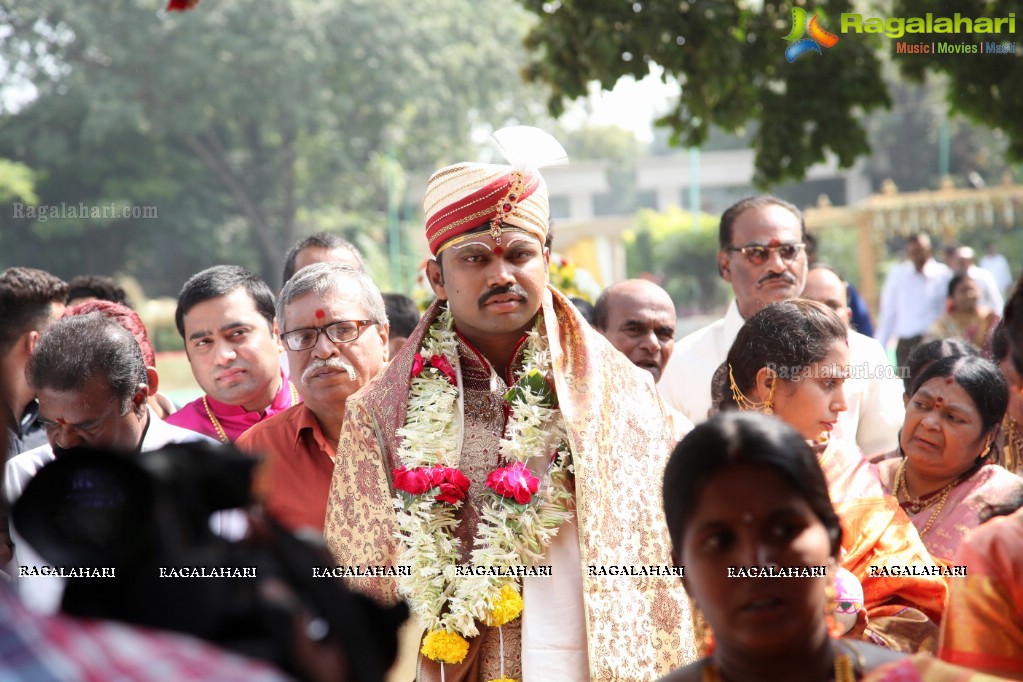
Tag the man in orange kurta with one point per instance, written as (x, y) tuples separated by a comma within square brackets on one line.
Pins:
[(334, 327)]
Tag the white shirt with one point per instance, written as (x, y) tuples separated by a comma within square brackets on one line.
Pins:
[(873, 394), (42, 593), (990, 292), (685, 384), (554, 624), (21, 468), (911, 301), (998, 266)]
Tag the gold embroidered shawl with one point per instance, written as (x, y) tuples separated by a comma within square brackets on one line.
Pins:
[(620, 437)]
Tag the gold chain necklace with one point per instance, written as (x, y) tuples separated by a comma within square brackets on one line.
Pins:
[(845, 671), (915, 504), (216, 422)]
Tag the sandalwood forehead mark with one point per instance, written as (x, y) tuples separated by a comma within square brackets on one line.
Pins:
[(465, 244), (519, 238)]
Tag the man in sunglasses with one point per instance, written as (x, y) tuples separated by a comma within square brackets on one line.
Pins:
[(334, 328), (763, 256)]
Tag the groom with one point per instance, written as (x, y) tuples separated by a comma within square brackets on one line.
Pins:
[(441, 449)]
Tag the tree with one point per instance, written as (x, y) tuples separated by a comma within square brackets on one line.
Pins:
[(987, 88), (249, 122), (617, 146), (682, 259), (729, 58)]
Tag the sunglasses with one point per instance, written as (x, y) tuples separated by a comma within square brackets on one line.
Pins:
[(757, 254)]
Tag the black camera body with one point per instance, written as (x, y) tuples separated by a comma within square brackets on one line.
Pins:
[(146, 519)]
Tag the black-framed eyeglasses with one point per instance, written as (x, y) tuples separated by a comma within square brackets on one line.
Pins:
[(757, 254), (338, 332)]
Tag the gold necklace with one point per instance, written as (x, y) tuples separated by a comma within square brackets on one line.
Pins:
[(845, 671), (216, 422), (915, 504)]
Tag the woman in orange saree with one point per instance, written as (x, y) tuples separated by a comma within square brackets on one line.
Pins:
[(745, 490), (983, 624), (790, 359)]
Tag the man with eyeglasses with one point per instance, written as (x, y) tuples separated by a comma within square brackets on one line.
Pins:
[(92, 383), (335, 331), (763, 256)]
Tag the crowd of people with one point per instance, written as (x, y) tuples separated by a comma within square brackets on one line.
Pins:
[(556, 492)]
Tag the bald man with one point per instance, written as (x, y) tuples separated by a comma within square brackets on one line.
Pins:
[(825, 285), (875, 408), (638, 318)]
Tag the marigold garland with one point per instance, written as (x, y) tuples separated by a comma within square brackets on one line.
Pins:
[(510, 533), (446, 647), (507, 607)]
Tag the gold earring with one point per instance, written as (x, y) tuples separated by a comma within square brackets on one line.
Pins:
[(744, 403)]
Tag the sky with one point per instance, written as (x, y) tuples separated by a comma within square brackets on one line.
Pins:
[(632, 105)]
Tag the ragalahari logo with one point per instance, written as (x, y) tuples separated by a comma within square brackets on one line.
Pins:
[(818, 36)]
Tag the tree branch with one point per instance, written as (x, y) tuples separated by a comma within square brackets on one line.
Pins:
[(210, 152)]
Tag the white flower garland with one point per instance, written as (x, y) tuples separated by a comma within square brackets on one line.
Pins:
[(509, 534)]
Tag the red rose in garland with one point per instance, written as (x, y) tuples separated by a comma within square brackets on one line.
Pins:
[(418, 363), (437, 362), (514, 481), (413, 481), (440, 362), (452, 483)]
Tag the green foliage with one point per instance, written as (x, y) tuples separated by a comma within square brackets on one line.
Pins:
[(17, 182), (246, 123), (684, 260), (987, 88), (839, 248), (907, 138), (729, 58)]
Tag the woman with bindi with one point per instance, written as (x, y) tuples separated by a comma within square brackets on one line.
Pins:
[(746, 490), (790, 360), (945, 479)]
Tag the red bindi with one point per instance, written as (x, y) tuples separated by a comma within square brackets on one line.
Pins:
[(320, 314), (498, 250)]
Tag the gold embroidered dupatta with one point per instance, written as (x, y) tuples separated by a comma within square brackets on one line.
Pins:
[(620, 436)]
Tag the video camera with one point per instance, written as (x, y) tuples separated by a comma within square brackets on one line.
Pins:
[(146, 518)]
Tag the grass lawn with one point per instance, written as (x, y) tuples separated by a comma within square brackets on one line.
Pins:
[(176, 380)]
